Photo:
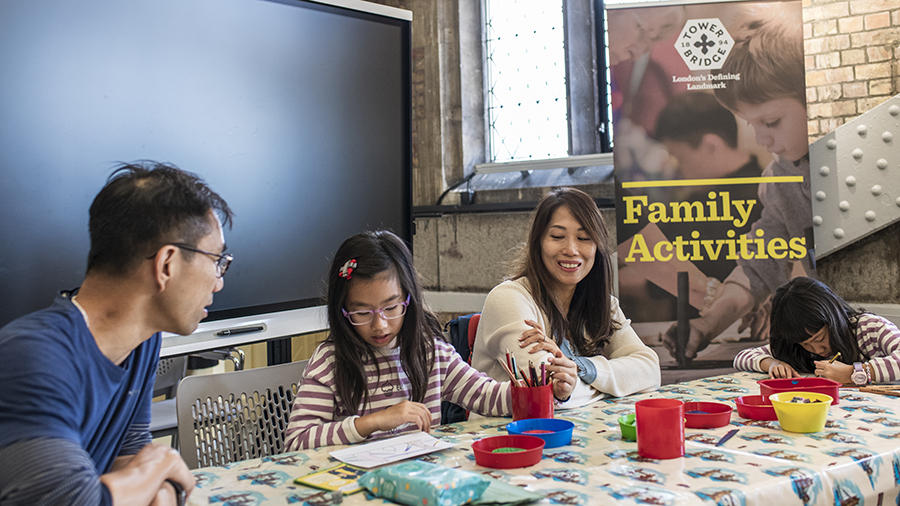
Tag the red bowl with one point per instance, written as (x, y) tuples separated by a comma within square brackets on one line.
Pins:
[(817, 385), (533, 451), (714, 414), (755, 407)]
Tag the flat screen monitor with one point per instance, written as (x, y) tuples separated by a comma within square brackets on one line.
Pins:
[(297, 113)]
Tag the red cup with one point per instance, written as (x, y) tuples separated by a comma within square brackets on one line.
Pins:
[(532, 402), (660, 428)]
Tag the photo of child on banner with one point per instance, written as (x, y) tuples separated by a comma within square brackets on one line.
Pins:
[(736, 231), (702, 136)]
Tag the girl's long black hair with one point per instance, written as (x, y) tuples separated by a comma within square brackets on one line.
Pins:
[(378, 253), (800, 308), (589, 324)]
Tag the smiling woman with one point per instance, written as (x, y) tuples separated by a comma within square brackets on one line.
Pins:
[(557, 307)]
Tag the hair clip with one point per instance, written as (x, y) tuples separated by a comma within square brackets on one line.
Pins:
[(347, 269)]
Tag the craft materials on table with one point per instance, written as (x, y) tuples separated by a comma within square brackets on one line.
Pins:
[(826, 386), (803, 417), (416, 483), (517, 450), (555, 433), (342, 478), (386, 451), (706, 415), (762, 465), (535, 376), (892, 390), (727, 436)]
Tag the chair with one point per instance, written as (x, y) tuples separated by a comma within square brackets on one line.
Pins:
[(236, 355), (163, 415), (163, 419), (234, 416), (461, 332)]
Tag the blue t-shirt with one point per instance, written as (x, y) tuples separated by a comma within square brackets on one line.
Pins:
[(57, 384)]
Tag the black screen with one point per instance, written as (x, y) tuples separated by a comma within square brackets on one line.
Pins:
[(297, 114)]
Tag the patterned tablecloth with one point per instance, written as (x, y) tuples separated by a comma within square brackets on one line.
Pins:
[(854, 461)]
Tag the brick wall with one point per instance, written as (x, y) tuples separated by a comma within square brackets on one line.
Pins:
[(852, 59), (852, 65)]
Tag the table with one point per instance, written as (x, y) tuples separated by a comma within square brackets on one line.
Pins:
[(855, 460)]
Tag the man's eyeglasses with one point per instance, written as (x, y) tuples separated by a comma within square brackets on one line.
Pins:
[(222, 261), (388, 313)]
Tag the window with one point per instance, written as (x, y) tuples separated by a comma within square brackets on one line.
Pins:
[(535, 93), (525, 80), (533, 101)]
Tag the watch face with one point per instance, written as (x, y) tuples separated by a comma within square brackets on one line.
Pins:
[(858, 377)]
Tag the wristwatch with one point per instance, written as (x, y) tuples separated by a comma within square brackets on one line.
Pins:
[(859, 376)]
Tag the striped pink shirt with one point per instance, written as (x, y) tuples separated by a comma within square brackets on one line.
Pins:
[(318, 420), (878, 338)]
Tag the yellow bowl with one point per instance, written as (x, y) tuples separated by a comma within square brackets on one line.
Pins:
[(801, 416)]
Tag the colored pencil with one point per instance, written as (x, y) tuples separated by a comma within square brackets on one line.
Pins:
[(525, 378), (512, 377), (883, 390), (726, 437)]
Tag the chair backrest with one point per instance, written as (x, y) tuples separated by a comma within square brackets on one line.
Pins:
[(234, 416), (473, 329), (168, 373), (461, 332)]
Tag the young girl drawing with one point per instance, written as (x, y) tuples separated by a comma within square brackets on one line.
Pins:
[(381, 371), (811, 325)]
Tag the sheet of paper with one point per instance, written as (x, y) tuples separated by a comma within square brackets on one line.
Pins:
[(390, 450)]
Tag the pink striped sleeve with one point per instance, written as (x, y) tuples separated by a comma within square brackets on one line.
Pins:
[(880, 340), (749, 359), (312, 422), (469, 387)]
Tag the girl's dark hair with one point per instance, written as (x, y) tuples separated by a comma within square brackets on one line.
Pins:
[(589, 324), (800, 308), (378, 253)]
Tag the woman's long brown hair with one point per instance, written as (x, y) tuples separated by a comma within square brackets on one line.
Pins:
[(588, 324)]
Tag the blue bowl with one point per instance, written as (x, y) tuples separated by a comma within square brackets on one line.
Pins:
[(559, 432)]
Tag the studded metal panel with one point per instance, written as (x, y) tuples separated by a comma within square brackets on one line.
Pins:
[(241, 426), (855, 178)]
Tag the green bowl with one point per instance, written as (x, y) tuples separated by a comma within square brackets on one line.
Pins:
[(626, 424)]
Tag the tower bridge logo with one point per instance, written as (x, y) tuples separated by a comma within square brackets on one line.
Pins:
[(704, 44)]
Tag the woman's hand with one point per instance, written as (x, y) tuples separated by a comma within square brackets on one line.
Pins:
[(564, 374), (837, 371), (778, 369), (390, 418), (536, 336)]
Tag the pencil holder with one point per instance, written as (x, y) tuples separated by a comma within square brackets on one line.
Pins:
[(532, 402)]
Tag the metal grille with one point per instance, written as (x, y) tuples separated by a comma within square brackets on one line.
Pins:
[(241, 426), (526, 80)]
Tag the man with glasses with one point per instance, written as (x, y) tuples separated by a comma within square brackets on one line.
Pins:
[(77, 378)]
